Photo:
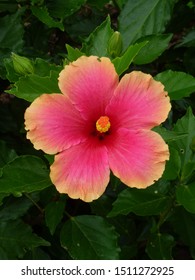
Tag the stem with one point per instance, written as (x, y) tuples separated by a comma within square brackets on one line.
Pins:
[(68, 215), (165, 214), (34, 202), (163, 217)]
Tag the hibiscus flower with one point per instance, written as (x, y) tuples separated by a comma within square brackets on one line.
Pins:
[(100, 124)]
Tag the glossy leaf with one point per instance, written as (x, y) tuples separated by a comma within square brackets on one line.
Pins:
[(169, 135), (144, 17), (40, 67), (53, 214), (185, 125), (43, 15), (32, 86), (122, 63), (183, 224), (97, 42), (6, 154), (187, 171), (159, 246), (11, 75), (156, 45), (11, 31), (177, 84), (62, 9), (157, 222), (24, 174), (73, 54), (188, 40), (89, 237), (15, 208), (139, 201), (186, 196), (37, 254), (173, 165), (17, 237), (43, 68), (79, 27)]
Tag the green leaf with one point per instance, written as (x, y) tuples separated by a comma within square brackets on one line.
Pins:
[(73, 54), (159, 246), (156, 45), (143, 202), (186, 196), (32, 86), (64, 8), (173, 165), (36, 254), (89, 238), (11, 75), (6, 154), (11, 31), (24, 174), (43, 68), (169, 135), (122, 63), (53, 214), (4, 54), (97, 42), (185, 125), (11, 37), (187, 171), (49, 158), (144, 17), (15, 207), (17, 237), (183, 224), (42, 14), (40, 66), (188, 40), (178, 84), (79, 26)]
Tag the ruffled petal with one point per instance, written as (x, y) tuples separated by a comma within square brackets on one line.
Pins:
[(81, 171), (137, 157), (139, 102), (89, 82), (53, 124)]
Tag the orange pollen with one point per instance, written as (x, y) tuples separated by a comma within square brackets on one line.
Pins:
[(103, 124)]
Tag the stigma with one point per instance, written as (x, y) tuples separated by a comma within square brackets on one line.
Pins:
[(103, 124)]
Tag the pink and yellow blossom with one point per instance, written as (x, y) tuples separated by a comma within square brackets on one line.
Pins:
[(100, 124)]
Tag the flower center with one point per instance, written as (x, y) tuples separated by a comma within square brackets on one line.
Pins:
[(103, 124)]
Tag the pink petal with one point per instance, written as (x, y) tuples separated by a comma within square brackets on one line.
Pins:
[(139, 102), (53, 124), (81, 171), (137, 157), (89, 82)]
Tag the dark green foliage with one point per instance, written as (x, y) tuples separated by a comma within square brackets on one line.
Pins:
[(37, 222)]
